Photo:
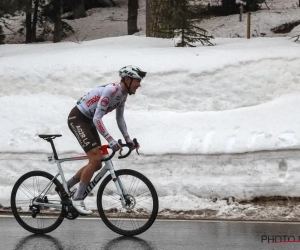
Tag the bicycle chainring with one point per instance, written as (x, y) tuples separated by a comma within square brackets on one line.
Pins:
[(70, 212)]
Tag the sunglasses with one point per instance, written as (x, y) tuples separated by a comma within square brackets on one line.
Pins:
[(142, 73)]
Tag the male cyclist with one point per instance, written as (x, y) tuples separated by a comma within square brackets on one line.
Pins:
[(86, 118)]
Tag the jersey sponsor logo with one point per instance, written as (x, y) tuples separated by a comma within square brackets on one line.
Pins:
[(92, 184), (100, 127), (113, 107), (124, 100), (94, 99), (73, 117), (85, 142), (81, 137), (104, 101), (80, 132), (113, 93)]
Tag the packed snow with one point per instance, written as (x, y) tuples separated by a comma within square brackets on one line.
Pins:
[(218, 126)]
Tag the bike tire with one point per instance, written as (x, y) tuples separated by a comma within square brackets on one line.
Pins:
[(135, 219), (24, 191)]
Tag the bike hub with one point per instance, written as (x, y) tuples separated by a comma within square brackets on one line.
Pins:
[(130, 202)]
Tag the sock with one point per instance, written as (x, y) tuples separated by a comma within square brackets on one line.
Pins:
[(73, 181), (80, 191)]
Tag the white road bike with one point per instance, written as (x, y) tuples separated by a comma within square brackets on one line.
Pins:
[(127, 201)]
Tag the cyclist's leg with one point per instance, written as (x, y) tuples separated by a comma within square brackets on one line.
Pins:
[(73, 181), (81, 128), (75, 119), (95, 135), (76, 178), (88, 138), (94, 156)]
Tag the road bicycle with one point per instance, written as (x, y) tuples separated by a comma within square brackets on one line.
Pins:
[(127, 201)]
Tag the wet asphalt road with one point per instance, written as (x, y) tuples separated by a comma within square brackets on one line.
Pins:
[(92, 234)]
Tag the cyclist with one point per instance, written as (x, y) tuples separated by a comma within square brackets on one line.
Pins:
[(86, 118)]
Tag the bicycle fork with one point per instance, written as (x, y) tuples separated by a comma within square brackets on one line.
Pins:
[(118, 183)]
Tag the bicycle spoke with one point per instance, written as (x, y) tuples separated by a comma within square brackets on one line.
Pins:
[(35, 185), (22, 202), (144, 193), (27, 218), (121, 219), (134, 180), (145, 201), (144, 208), (135, 223), (112, 205), (112, 195), (28, 190)]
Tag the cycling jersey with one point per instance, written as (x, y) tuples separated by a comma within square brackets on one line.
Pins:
[(99, 101)]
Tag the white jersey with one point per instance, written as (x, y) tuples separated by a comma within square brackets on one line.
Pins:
[(99, 101)]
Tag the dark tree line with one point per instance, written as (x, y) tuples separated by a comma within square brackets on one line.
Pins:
[(164, 18), (38, 13), (182, 18), (46, 15), (7, 9)]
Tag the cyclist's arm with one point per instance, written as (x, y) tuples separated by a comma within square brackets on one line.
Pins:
[(121, 121), (100, 111)]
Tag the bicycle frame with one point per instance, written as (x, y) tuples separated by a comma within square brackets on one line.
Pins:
[(108, 167)]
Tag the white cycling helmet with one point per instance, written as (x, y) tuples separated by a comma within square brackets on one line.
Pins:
[(132, 71)]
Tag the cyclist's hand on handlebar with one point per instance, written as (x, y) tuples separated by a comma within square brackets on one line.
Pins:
[(131, 146), (130, 143), (114, 145)]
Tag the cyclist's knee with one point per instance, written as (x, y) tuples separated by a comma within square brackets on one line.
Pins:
[(95, 157), (94, 153)]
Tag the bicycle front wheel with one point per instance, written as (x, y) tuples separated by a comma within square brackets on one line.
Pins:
[(37, 186), (140, 210)]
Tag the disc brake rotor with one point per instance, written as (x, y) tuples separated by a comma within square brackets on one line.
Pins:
[(130, 202)]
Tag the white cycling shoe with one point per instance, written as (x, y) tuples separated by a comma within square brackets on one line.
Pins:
[(80, 207)]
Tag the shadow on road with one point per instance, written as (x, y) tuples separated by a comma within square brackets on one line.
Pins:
[(38, 241), (125, 242)]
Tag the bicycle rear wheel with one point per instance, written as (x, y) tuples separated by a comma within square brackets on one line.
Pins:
[(141, 207), (37, 219)]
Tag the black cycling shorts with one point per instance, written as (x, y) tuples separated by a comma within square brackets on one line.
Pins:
[(84, 130)]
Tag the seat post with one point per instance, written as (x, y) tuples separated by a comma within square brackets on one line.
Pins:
[(53, 148)]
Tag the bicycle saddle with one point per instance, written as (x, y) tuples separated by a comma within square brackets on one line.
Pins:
[(45, 137)]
